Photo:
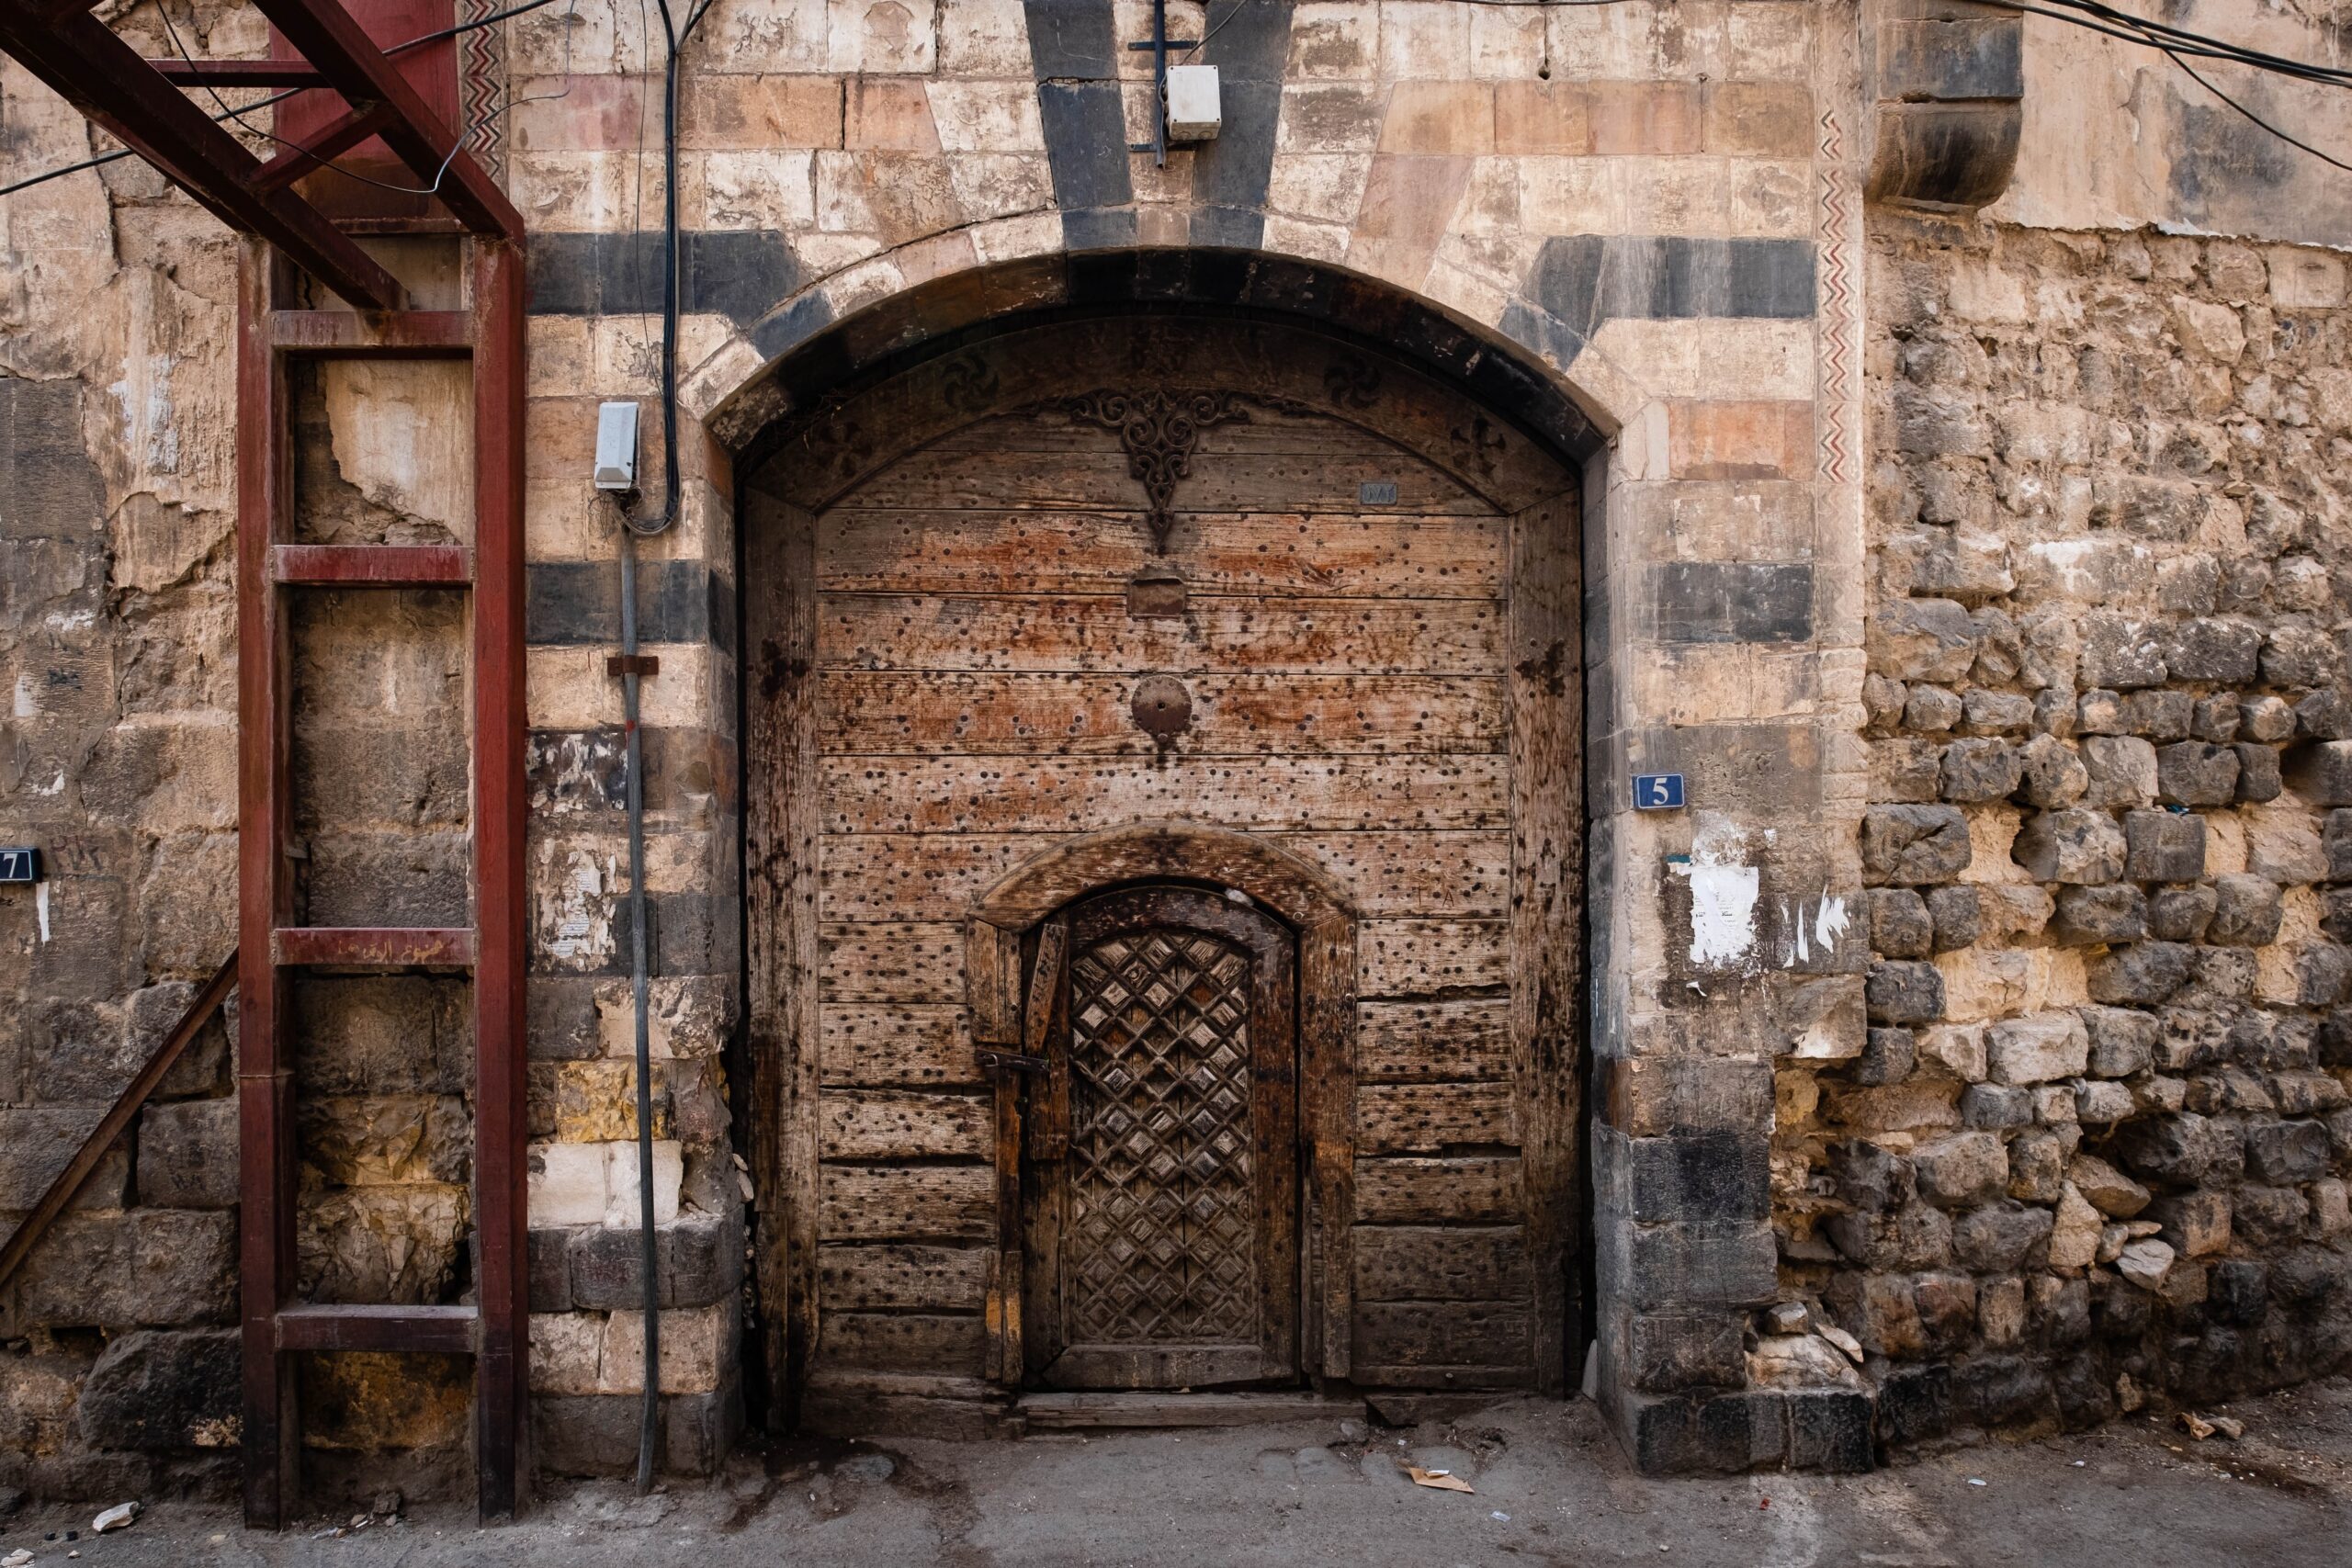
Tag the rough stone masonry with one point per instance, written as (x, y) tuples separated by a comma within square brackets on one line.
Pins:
[(1968, 527)]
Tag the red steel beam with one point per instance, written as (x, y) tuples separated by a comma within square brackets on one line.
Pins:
[(447, 1329), (355, 334), (235, 73), (327, 36), (373, 566), (99, 75), (348, 130), (375, 947)]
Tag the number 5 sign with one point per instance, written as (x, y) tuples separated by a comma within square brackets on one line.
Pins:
[(1658, 792)]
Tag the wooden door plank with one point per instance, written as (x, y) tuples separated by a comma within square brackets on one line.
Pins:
[(922, 1202), (873, 549), (961, 795), (1434, 958), (902, 1276), (1472, 1189), (916, 876), (1419, 1118), (905, 1046), (903, 961), (1002, 712), (882, 1124), (1408, 1042), (1093, 633), (945, 480), (955, 1344), (1440, 1263)]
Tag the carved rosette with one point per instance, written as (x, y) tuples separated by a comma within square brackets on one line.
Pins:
[(1159, 429)]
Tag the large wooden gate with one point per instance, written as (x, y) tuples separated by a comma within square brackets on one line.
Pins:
[(1104, 602)]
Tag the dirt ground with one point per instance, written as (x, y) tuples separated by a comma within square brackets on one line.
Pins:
[(1551, 1488)]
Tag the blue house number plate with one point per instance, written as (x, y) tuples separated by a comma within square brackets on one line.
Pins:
[(1658, 792), (19, 863)]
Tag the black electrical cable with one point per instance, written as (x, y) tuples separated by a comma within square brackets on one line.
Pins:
[(116, 156)]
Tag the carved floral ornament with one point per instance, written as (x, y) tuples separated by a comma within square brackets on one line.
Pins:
[(1159, 429)]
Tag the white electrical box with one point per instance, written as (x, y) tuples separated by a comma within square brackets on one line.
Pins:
[(1194, 113), (617, 445)]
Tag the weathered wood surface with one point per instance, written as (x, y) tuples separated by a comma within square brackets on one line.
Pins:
[(1434, 958), (1440, 1263), (884, 877), (1096, 480), (977, 713), (1443, 1344), (879, 1124), (901, 1277), (918, 1203), (1339, 555), (1093, 632), (968, 794), (1113, 1412), (922, 960), (1471, 1190), (1417, 1118), (1402, 1041), (911, 1044), (922, 1342)]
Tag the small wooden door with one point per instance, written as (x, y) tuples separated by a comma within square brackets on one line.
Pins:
[(1162, 1170)]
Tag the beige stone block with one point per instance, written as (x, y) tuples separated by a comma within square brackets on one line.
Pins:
[(1762, 40), (2282, 842), (1981, 985), (880, 36), (1329, 117), (1715, 359), (1466, 293), (2277, 968), (584, 192), (1991, 830), (1321, 187), (595, 1101), (1615, 398), (996, 184), (1507, 42), (2305, 279), (1316, 241), (823, 254), (697, 1349), (402, 434), (1408, 204), (620, 1180), (1644, 118), (764, 35), (852, 288), (718, 376), (568, 689), (765, 189), (1543, 117), (983, 38), (1707, 684), (988, 117), (722, 112), (2226, 848), (1009, 239), (1439, 117), (893, 115), (1573, 196), (1984, 291), (942, 254), (567, 1351), (1761, 120), (582, 113), (1424, 39), (685, 1015), (2208, 331), (556, 354), (566, 1184), (562, 41), (1331, 41), (1745, 439)]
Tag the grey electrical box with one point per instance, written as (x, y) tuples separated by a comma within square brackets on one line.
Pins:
[(617, 445), (1194, 111)]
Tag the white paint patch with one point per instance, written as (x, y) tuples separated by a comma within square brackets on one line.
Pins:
[(1829, 922), (27, 702), (40, 905), (1722, 893)]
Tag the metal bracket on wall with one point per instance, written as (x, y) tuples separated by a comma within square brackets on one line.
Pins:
[(1158, 43)]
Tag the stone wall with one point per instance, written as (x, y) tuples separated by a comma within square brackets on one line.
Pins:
[(2095, 1150)]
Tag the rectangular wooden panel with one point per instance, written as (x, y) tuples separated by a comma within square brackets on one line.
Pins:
[(1443, 1344), (902, 1276), (904, 961), (937, 877), (1080, 632), (874, 550), (1412, 1118), (925, 1045), (877, 1123), (903, 1342), (1409, 1041), (1472, 1190), (1098, 481), (1002, 712), (958, 795), (860, 1203), (1433, 958), (1440, 1263)]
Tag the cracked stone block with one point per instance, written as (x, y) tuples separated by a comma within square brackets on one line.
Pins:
[(1960, 1170), (2164, 846), (2050, 774), (1996, 1106), (2121, 770), (1958, 916), (2259, 776), (2122, 1040), (1900, 925), (2246, 911), (2197, 1225), (1913, 844), (1903, 991), (1997, 713), (1921, 639), (2323, 773), (1931, 710), (2000, 1236), (2144, 974), (2216, 719), (2191, 772), (2267, 719), (2178, 1148), (2286, 1152), (2159, 714), (1887, 1056), (2088, 915), (2076, 845), (2035, 1050), (1980, 770), (2180, 914), (2224, 652), (2120, 652), (2099, 712)]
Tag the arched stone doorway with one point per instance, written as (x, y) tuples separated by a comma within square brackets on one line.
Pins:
[(1158, 596)]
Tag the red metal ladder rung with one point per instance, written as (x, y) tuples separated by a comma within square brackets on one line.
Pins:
[(375, 947), (449, 1330), (372, 566)]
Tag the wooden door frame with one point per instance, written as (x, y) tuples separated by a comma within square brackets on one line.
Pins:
[(1299, 894)]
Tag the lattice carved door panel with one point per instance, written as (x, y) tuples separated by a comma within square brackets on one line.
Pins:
[(1164, 1251)]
